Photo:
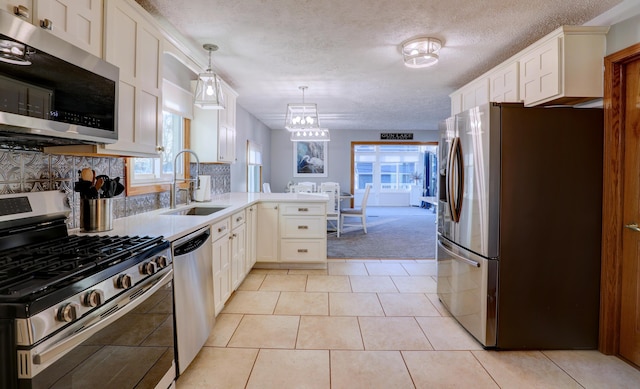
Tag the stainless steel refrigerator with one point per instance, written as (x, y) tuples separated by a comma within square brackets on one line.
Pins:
[(519, 224)]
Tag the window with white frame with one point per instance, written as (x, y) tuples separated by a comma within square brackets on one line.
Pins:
[(388, 168)]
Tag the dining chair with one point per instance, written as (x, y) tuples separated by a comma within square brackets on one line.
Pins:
[(309, 184), (357, 212), (266, 187), (303, 187), (333, 206)]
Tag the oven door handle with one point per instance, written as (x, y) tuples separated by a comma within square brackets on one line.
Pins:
[(67, 344)]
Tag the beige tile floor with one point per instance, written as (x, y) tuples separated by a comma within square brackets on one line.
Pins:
[(371, 324)]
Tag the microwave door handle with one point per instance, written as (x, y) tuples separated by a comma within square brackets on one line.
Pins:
[(459, 257), (69, 343)]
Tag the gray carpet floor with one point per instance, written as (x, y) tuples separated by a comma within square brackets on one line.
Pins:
[(392, 232)]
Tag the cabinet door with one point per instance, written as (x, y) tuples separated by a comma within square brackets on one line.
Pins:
[(78, 22), (134, 45), (221, 272), (10, 6), (268, 235), (238, 253), (540, 72), (475, 94), (504, 84), (252, 224), (204, 134), (226, 144)]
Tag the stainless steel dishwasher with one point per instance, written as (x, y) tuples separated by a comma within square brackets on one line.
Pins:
[(193, 293)]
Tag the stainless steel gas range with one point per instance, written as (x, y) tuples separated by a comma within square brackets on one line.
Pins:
[(81, 311)]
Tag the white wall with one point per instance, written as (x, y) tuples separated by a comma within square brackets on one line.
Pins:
[(338, 155), (248, 127)]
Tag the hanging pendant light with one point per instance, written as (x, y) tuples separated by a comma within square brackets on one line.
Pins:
[(318, 135), (208, 89), (301, 116)]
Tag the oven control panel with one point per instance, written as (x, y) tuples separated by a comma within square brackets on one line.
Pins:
[(74, 308)]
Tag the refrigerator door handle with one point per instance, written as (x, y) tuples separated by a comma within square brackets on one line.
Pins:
[(456, 179), (458, 257)]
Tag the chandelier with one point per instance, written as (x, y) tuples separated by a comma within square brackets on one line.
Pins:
[(301, 116), (318, 135), (208, 89), (421, 52)]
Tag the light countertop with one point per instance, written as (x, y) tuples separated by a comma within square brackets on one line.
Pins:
[(172, 227)]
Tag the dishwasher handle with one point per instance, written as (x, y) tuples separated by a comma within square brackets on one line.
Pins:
[(191, 243)]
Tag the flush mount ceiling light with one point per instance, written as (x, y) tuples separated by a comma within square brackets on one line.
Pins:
[(421, 52), (318, 135), (14, 53), (301, 116), (208, 89)]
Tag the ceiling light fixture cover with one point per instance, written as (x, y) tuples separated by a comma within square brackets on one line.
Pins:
[(301, 116), (319, 135), (208, 89), (421, 52)]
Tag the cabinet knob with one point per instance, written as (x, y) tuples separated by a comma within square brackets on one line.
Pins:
[(21, 11), (303, 250), (160, 148), (303, 227), (46, 24), (303, 209)]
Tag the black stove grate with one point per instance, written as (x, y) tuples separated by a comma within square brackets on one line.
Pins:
[(40, 268)]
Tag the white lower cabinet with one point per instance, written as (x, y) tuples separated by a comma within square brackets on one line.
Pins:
[(267, 236), (237, 241), (292, 232), (221, 264), (252, 232)]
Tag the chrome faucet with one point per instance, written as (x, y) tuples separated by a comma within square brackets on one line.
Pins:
[(196, 180)]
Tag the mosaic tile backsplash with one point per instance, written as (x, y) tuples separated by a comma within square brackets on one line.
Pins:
[(32, 171)]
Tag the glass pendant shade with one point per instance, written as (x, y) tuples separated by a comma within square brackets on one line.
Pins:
[(303, 116), (317, 135), (208, 93)]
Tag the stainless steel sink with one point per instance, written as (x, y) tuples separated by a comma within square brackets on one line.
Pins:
[(195, 211)]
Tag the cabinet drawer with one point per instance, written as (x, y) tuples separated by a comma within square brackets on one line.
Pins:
[(237, 219), (220, 229), (303, 227), (302, 209), (303, 250)]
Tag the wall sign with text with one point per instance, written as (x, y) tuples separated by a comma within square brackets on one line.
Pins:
[(396, 136)]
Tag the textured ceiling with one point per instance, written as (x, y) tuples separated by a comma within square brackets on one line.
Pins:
[(347, 51)]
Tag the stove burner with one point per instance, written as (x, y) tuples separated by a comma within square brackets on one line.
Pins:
[(37, 269)]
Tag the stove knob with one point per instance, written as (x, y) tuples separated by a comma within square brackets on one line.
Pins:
[(92, 298), (66, 313), (123, 281), (161, 261), (147, 268)]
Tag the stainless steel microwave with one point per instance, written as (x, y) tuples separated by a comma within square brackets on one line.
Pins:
[(52, 92)]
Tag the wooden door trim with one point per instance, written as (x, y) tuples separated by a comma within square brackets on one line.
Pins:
[(612, 207)]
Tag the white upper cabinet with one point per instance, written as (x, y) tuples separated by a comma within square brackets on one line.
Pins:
[(565, 67), (21, 8), (135, 45), (503, 84), (78, 22), (213, 132)]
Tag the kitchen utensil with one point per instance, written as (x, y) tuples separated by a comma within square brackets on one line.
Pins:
[(119, 187), (87, 174), (99, 183)]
